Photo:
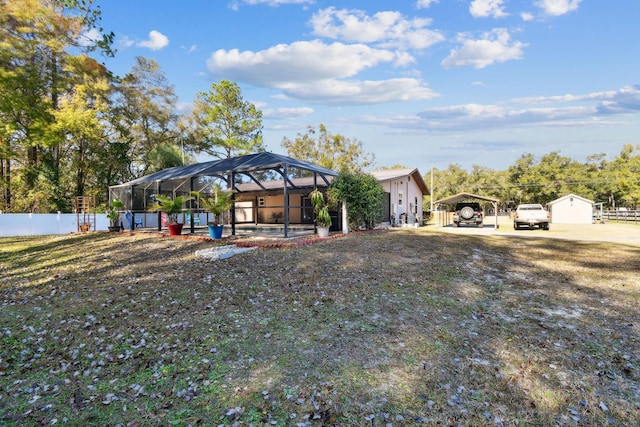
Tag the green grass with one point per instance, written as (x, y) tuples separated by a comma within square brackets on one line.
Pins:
[(393, 328)]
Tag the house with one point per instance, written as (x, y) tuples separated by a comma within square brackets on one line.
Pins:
[(403, 189), (264, 203), (571, 209)]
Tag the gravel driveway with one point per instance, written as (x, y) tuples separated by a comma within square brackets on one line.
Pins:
[(609, 232)]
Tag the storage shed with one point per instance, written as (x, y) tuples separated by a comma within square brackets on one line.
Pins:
[(571, 209)]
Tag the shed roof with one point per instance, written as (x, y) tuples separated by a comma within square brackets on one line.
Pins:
[(461, 197), (568, 196)]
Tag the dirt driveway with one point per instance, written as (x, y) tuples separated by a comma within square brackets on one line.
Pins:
[(610, 232)]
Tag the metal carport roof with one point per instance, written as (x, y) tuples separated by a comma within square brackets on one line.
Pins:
[(463, 197)]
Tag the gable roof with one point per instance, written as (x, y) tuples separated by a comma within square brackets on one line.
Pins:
[(568, 196), (395, 174)]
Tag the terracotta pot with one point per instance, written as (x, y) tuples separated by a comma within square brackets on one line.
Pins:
[(175, 229)]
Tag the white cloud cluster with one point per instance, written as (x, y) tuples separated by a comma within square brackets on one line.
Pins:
[(386, 28), (350, 42), (494, 46), (558, 7), (315, 71), (235, 4), (559, 111), (487, 8), (425, 4), (285, 65), (156, 41), (286, 113)]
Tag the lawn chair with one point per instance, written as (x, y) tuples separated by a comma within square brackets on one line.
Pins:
[(187, 219)]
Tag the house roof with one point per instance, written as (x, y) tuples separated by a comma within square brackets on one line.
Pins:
[(568, 196), (461, 197), (307, 182), (395, 174)]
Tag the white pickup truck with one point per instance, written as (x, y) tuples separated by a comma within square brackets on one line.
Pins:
[(531, 215)]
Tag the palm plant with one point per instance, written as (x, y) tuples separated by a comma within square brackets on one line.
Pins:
[(323, 219), (112, 213), (172, 207), (219, 202)]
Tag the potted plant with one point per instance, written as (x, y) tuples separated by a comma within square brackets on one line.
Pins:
[(114, 215), (321, 210), (172, 207), (219, 202)]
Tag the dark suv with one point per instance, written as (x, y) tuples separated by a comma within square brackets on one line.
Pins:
[(467, 213)]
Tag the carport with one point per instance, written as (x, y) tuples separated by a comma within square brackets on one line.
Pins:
[(464, 197)]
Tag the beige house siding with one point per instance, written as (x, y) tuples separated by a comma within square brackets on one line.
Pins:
[(268, 208)]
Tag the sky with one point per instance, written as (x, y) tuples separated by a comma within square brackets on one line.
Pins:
[(420, 83)]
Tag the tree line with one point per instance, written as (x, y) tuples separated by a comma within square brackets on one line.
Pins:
[(70, 127), (616, 183)]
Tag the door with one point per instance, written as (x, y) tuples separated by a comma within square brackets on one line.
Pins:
[(307, 211), (386, 208)]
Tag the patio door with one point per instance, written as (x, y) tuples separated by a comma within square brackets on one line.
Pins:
[(307, 211)]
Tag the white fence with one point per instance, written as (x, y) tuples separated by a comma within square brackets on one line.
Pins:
[(43, 224), (63, 223)]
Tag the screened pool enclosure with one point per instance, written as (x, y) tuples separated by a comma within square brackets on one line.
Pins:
[(267, 188)]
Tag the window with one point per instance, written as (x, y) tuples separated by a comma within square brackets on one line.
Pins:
[(400, 198), (260, 201)]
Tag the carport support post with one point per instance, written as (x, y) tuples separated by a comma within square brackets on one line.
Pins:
[(133, 218), (285, 171), (231, 185), (345, 220), (191, 219), (159, 212), (495, 212)]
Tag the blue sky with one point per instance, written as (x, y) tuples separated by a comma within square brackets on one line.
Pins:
[(422, 83)]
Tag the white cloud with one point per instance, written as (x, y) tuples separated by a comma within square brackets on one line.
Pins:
[(557, 7), (386, 29), (125, 41), (88, 38), (190, 49), (562, 110), (156, 41), (527, 16), (486, 8), (425, 4), (286, 113), (623, 101), (316, 72), (494, 46), (297, 62), (235, 5), (339, 92)]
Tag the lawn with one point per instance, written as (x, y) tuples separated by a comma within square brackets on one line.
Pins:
[(391, 328)]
